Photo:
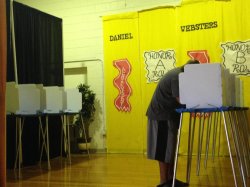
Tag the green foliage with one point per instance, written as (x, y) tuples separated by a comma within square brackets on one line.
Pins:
[(88, 103)]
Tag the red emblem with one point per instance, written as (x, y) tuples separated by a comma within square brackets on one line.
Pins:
[(120, 82), (200, 55)]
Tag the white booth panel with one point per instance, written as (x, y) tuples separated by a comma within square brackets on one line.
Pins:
[(51, 99), (209, 85), (11, 98), (72, 100), (200, 86), (22, 98), (238, 92)]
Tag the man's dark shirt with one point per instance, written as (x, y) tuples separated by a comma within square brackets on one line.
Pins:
[(163, 102)]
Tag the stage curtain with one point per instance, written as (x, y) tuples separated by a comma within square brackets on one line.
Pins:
[(39, 54), (38, 46), (3, 60)]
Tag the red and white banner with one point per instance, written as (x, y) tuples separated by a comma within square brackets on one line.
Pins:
[(120, 82)]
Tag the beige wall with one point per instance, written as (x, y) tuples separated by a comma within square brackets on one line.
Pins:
[(83, 42)]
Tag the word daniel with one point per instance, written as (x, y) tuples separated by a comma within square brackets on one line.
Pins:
[(199, 26), (125, 36)]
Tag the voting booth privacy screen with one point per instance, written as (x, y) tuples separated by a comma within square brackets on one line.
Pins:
[(139, 47)]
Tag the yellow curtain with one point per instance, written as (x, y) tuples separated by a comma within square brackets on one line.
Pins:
[(156, 33), (124, 127), (207, 26), (193, 27), (3, 59)]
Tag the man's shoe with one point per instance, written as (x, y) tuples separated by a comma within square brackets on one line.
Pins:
[(177, 183), (166, 184)]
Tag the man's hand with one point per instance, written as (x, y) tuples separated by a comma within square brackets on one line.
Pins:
[(178, 99)]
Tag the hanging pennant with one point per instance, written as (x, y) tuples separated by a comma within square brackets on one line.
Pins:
[(120, 82)]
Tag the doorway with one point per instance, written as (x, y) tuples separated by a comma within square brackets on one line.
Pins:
[(74, 76)]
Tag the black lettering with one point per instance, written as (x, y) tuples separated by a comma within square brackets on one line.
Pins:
[(202, 25), (242, 47), (124, 36), (240, 69), (154, 73), (243, 68), (119, 36), (159, 64), (205, 26), (211, 25), (149, 54), (130, 36), (168, 55), (248, 49), (183, 28), (160, 73), (152, 55), (240, 59), (236, 66), (215, 24), (161, 55), (197, 26), (192, 27)]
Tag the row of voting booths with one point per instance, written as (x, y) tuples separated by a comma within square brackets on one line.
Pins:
[(40, 104), (37, 62), (215, 111), (32, 99)]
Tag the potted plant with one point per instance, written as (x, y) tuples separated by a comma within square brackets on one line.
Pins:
[(87, 114)]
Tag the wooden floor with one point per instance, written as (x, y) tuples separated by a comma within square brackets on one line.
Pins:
[(118, 170)]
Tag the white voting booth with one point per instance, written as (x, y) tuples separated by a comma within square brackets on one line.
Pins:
[(51, 99), (72, 100), (32, 98), (208, 86), (213, 92), (22, 98), (72, 104)]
